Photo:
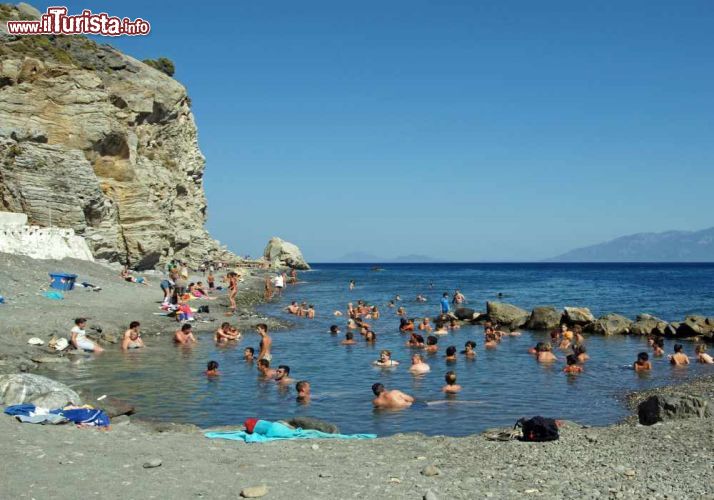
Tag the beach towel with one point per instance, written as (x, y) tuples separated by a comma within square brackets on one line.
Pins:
[(265, 431), (29, 413), (53, 295)]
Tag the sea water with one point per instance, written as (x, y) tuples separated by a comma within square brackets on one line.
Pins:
[(499, 386)]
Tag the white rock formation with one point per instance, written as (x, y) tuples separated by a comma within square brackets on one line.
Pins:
[(281, 253)]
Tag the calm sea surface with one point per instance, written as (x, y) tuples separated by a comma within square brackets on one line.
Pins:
[(499, 386)]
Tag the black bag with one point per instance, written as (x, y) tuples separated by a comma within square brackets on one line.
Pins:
[(538, 429), (204, 309)]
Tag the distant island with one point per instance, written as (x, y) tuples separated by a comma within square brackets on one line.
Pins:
[(670, 246), (368, 258)]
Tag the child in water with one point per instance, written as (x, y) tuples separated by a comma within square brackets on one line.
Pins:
[(451, 354), (702, 356), (643, 363), (212, 369), (469, 349), (572, 367), (451, 386)]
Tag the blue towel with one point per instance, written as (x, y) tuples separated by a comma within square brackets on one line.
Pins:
[(83, 416), (266, 431), (53, 295)]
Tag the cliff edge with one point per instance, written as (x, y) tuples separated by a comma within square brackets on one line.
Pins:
[(96, 141)]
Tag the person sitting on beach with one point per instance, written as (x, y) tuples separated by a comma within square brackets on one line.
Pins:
[(132, 337), (580, 352), (282, 375), (200, 292), (385, 360), (184, 311), (450, 354), (572, 364), (431, 344), (184, 336), (265, 370), (418, 365), (249, 354), (349, 339), (406, 325), (334, 330), (303, 392), (545, 355), (78, 337), (393, 400), (678, 358), (370, 337), (265, 342), (415, 340), (702, 356), (441, 328), (658, 347), (451, 386), (643, 363), (453, 324), (212, 369), (469, 349)]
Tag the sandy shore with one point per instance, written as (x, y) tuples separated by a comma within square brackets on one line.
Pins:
[(669, 460)]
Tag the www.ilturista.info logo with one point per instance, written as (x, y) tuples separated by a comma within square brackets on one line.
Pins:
[(56, 22)]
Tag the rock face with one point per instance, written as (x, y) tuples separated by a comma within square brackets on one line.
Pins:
[(465, 313), (646, 324), (578, 316), (103, 144), (506, 314), (35, 389), (661, 407), (284, 254), (544, 318), (611, 324), (696, 325)]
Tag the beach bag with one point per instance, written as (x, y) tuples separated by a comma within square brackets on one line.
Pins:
[(538, 429), (204, 309)]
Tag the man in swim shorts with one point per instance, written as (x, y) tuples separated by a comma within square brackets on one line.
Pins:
[(265, 342), (393, 400)]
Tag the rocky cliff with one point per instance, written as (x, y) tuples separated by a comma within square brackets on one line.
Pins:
[(96, 141)]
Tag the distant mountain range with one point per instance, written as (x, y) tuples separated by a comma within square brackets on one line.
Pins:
[(368, 258), (670, 246)]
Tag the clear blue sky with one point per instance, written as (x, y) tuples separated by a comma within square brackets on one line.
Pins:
[(464, 130)]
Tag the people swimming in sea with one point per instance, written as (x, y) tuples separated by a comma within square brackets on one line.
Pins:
[(444, 303), (565, 342), (249, 354), (78, 337), (642, 364), (702, 355), (303, 392), (416, 341), (401, 311), (370, 337), (565, 332), (441, 328), (334, 330), (431, 344), (265, 370), (451, 386), (545, 354), (393, 400), (293, 308), (537, 348), (406, 325), (184, 336), (212, 369), (132, 337), (310, 312), (450, 354), (265, 342), (572, 365), (385, 360), (349, 339), (282, 375), (678, 358), (391, 304), (453, 324), (578, 335), (490, 339), (458, 298), (418, 365), (580, 352), (469, 349), (352, 285), (225, 333), (420, 298), (658, 346)]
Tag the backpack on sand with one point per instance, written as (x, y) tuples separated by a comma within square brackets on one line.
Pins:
[(538, 429)]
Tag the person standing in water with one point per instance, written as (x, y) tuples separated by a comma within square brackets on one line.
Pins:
[(265, 342), (352, 284), (444, 303), (393, 400)]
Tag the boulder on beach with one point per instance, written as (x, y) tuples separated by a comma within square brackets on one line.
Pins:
[(281, 253), (659, 408), (544, 318), (577, 316), (314, 423), (465, 314), (694, 326), (646, 324), (611, 324), (36, 389), (506, 314)]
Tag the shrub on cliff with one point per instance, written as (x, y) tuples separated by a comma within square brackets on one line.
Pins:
[(163, 64)]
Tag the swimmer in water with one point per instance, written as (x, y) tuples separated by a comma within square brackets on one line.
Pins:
[(702, 356), (491, 341), (581, 353), (393, 400), (224, 334), (303, 392), (658, 347), (282, 375), (132, 337), (678, 358), (469, 349), (352, 284), (415, 340), (310, 312), (349, 339), (212, 369), (643, 363), (418, 365), (545, 355), (453, 324), (431, 344), (572, 365), (385, 360), (249, 354), (406, 325), (265, 370), (184, 336), (450, 354), (535, 350), (391, 304), (370, 337), (451, 386), (441, 329), (334, 330)]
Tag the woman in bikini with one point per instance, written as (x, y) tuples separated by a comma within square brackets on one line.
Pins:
[(233, 289)]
